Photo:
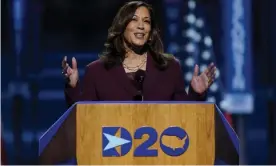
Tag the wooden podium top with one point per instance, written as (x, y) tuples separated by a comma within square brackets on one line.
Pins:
[(177, 133)]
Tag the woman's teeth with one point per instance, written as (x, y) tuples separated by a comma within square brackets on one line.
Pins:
[(139, 35)]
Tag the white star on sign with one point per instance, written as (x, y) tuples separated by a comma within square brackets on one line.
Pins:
[(114, 141)]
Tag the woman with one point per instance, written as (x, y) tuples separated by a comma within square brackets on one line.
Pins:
[(134, 66)]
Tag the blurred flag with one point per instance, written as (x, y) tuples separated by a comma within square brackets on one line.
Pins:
[(199, 48), (188, 39)]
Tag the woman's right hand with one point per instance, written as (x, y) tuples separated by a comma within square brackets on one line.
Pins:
[(71, 73)]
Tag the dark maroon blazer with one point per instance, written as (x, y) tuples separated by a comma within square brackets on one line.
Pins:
[(101, 84)]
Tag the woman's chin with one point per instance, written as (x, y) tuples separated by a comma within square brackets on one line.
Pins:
[(138, 44)]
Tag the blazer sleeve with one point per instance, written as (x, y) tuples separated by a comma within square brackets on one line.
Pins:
[(180, 93), (3, 153), (84, 90)]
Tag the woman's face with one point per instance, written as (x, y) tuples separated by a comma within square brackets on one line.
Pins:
[(138, 29)]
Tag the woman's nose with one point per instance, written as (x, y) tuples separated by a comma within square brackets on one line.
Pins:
[(140, 25)]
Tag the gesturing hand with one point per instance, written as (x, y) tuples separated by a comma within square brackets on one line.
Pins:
[(200, 83), (70, 72)]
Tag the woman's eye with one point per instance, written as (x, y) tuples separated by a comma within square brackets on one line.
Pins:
[(147, 21)]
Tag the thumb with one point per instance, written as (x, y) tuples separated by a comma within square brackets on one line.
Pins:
[(196, 70), (74, 63)]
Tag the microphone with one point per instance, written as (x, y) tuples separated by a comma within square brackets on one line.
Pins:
[(139, 78)]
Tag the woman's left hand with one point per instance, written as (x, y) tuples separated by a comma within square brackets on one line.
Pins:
[(200, 83)]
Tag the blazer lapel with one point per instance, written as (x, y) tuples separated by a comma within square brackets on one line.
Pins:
[(151, 77)]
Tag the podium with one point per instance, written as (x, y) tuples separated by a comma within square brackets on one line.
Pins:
[(141, 133)]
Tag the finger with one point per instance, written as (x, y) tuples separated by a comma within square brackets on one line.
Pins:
[(211, 65), (211, 80), (213, 76), (64, 62), (214, 73), (69, 70), (210, 83), (210, 70), (64, 70), (74, 63), (196, 70)]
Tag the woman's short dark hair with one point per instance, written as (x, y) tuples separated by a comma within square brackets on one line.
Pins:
[(114, 52)]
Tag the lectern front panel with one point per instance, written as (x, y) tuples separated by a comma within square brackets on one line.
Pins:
[(145, 134)]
